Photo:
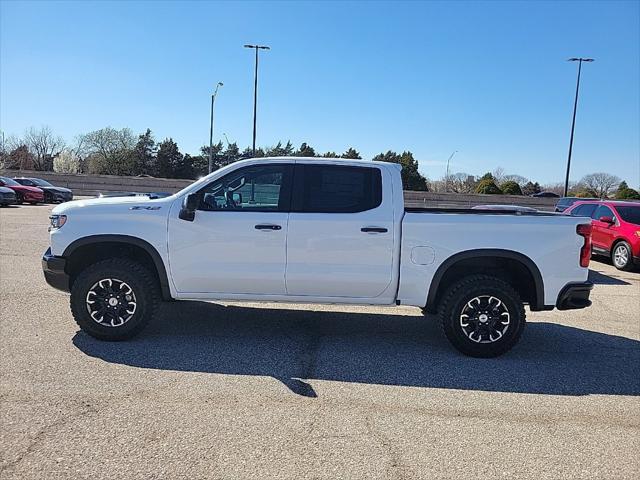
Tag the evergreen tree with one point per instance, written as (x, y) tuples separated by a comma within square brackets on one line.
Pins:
[(144, 154), (185, 167), (511, 188), (351, 153), (168, 159), (305, 151), (530, 188), (412, 179), (488, 186), (330, 155), (625, 193)]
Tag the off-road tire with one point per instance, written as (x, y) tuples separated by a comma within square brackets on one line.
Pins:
[(143, 284), (464, 291)]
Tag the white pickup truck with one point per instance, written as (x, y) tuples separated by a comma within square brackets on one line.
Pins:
[(313, 230)]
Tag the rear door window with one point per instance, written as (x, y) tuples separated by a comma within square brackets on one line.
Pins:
[(602, 211), (336, 189)]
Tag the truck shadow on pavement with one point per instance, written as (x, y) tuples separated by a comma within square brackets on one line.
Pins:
[(602, 279), (296, 346)]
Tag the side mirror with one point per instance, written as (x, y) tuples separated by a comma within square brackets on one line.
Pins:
[(608, 220), (189, 207)]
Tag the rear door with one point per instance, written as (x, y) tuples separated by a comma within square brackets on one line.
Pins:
[(341, 237)]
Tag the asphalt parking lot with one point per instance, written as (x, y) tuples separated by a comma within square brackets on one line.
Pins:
[(290, 391)]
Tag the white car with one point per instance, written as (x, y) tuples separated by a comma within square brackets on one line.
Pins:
[(315, 231)]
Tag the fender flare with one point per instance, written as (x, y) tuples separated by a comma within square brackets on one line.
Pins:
[(163, 278), (490, 252)]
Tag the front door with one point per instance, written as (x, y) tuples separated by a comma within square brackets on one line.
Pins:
[(341, 237), (237, 242), (603, 233)]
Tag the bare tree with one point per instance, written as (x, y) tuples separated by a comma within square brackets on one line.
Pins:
[(498, 175), (600, 183), (108, 151), (106, 142), (461, 183), (44, 145), (519, 179)]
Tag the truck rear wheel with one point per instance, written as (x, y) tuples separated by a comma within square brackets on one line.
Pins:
[(114, 299), (482, 316)]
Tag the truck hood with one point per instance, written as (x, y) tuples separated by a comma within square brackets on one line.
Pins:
[(108, 203)]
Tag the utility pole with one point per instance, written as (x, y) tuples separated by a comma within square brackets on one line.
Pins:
[(213, 99), (255, 90), (573, 122)]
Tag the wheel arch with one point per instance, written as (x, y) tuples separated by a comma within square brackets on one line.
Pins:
[(86, 250), (514, 267)]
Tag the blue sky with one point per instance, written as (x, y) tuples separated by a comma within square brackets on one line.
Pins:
[(489, 79)]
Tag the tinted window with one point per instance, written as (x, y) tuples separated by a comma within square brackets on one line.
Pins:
[(602, 211), (39, 182), (584, 210), (336, 189), (8, 181), (255, 188), (24, 181), (630, 214)]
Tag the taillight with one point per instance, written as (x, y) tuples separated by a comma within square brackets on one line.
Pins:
[(584, 230)]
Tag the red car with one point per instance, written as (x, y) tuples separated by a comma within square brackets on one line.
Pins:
[(615, 229), (31, 195)]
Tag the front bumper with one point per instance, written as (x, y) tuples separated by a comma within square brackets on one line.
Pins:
[(54, 271), (8, 200), (59, 197), (574, 296)]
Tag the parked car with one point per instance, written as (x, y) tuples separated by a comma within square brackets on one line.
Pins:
[(566, 202), (315, 231), (616, 229), (31, 195), (505, 208), (52, 194), (545, 195), (7, 197)]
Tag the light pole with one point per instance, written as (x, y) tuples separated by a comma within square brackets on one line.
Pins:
[(573, 122), (446, 179), (255, 90), (213, 99)]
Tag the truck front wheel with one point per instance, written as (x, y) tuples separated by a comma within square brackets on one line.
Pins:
[(482, 316), (114, 299)]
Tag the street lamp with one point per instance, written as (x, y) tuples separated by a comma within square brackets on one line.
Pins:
[(446, 180), (255, 90), (573, 122), (213, 99)]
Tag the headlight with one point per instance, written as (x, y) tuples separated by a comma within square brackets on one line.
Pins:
[(57, 221)]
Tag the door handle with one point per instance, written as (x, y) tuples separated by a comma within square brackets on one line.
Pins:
[(374, 230), (268, 227)]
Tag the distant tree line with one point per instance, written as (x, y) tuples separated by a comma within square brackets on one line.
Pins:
[(121, 152)]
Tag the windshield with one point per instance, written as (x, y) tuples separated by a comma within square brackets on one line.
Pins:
[(40, 182), (8, 181), (629, 213)]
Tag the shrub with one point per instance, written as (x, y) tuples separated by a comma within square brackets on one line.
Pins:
[(511, 188), (488, 186)]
